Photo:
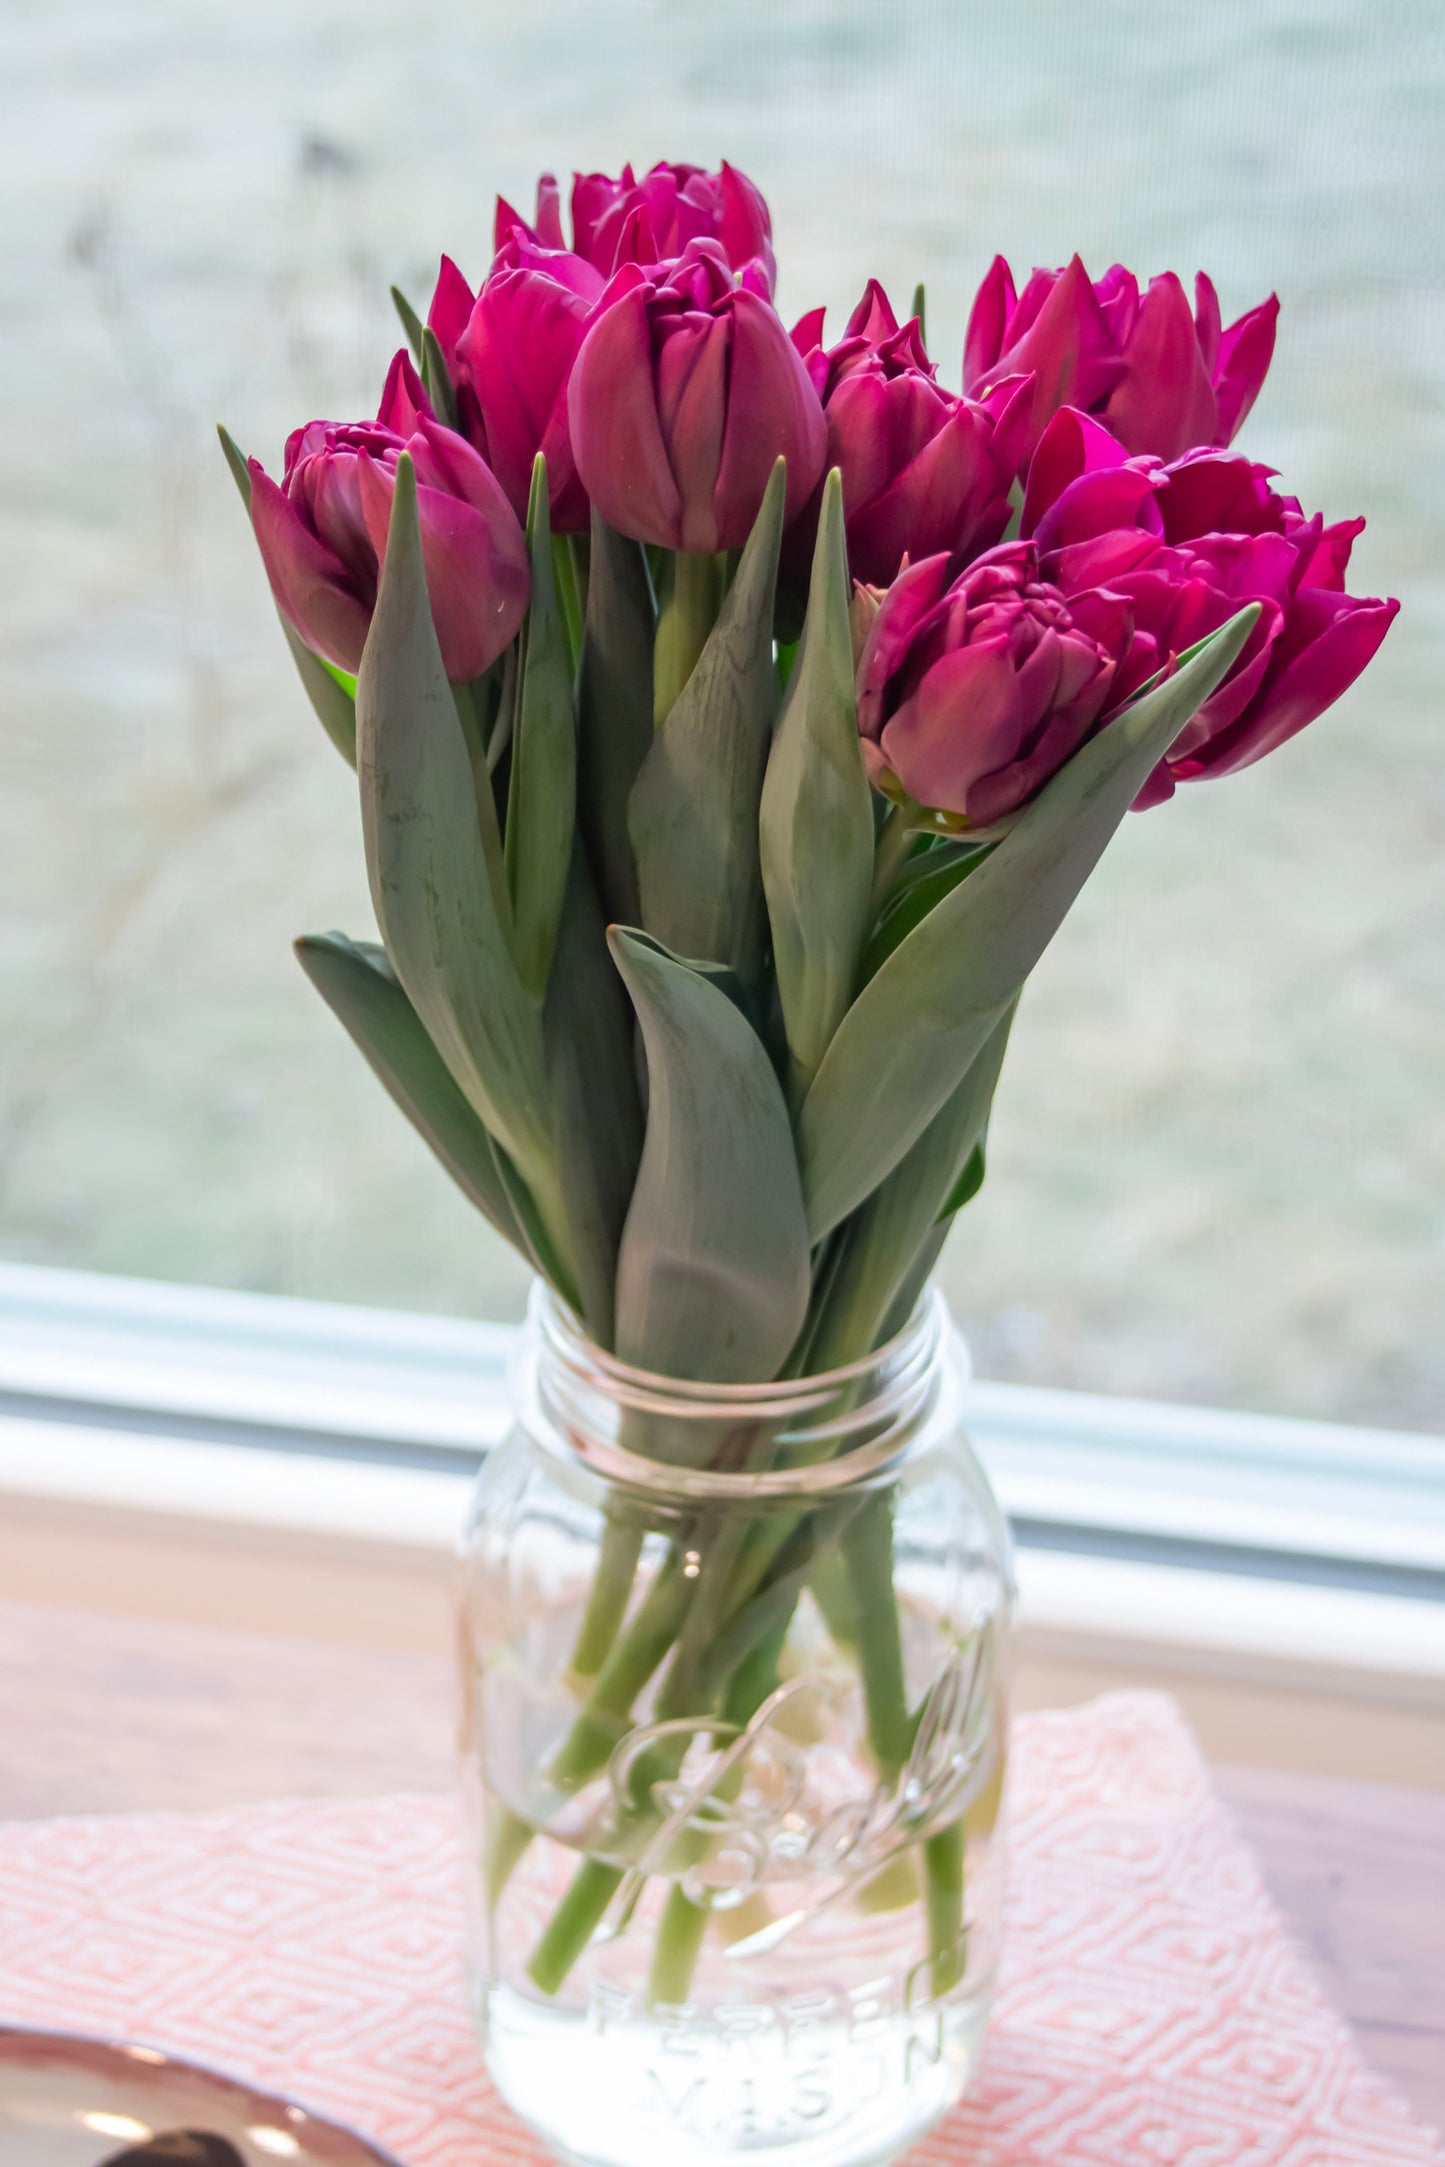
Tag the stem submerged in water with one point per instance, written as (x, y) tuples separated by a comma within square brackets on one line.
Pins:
[(680, 1933), (609, 1596), (573, 1924), (943, 1860)]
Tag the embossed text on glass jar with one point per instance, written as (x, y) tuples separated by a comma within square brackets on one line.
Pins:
[(734, 1744)]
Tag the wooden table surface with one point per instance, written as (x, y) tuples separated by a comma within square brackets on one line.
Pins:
[(106, 1715)]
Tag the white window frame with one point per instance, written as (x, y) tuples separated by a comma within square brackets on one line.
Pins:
[(1298, 1554)]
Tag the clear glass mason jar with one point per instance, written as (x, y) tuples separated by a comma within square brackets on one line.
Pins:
[(734, 1739)]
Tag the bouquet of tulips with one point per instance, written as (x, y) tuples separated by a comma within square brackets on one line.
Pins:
[(736, 716)]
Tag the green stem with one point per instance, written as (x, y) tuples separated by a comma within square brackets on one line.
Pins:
[(680, 1933), (943, 1863), (565, 569), (868, 1562), (607, 1602), (892, 847), (634, 1658), (508, 1836), (573, 1924), (687, 612)]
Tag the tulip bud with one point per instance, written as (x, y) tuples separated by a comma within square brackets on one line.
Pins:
[(651, 221), (923, 470), (1187, 545), (1162, 379), (322, 533), (513, 362), (971, 695), (862, 610), (685, 392)]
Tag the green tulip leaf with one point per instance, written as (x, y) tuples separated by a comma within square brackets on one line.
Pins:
[(358, 984), (713, 1272), (693, 813), (969, 1182), (919, 1024), (236, 461), (363, 992), (436, 381), (542, 796), (411, 324), (326, 687), (892, 1232), (816, 823), (924, 881), (334, 706), (614, 712), (592, 1082), (434, 894)]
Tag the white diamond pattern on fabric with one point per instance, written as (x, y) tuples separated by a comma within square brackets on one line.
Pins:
[(1151, 2009)]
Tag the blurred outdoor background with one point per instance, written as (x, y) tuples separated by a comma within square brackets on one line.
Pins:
[(1218, 1165)]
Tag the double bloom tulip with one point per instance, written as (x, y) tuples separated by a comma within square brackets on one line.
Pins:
[(647, 362)]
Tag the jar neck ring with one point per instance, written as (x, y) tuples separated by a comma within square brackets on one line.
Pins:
[(793, 1438)]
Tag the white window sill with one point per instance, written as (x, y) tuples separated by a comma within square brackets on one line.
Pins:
[(1295, 1554)]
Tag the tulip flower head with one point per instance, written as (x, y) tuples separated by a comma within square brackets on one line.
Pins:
[(970, 695), (1162, 378), (685, 392), (513, 362), (322, 532), (1187, 544), (651, 221), (923, 470)]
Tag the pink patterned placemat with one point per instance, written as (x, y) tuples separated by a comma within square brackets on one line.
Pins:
[(1151, 2009)]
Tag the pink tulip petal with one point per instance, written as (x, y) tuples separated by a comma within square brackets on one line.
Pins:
[(478, 581), (691, 376), (987, 323), (453, 300), (1245, 352), (1207, 321), (903, 610), (1102, 562), (1119, 497), (1008, 787), (745, 227), (1158, 790), (403, 398), (1164, 402), (949, 496), (807, 332), (517, 352), (310, 584), (772, 409), (961, 724), (447, 461), (1329, 559), (1217, 492), (1072, 445), (505, 222), (1068, 348), (549, 213), (616, 441)]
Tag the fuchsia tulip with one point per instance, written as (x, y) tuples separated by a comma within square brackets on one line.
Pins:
[(923, 470), (971, 695), (322, 533), (1186, 545), (511, 360), (652, 220), (685, 392), (1163, 379)]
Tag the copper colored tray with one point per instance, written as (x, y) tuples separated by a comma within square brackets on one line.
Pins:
[(66, 2101)]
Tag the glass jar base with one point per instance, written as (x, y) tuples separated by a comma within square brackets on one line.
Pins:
[(815, 2086)]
